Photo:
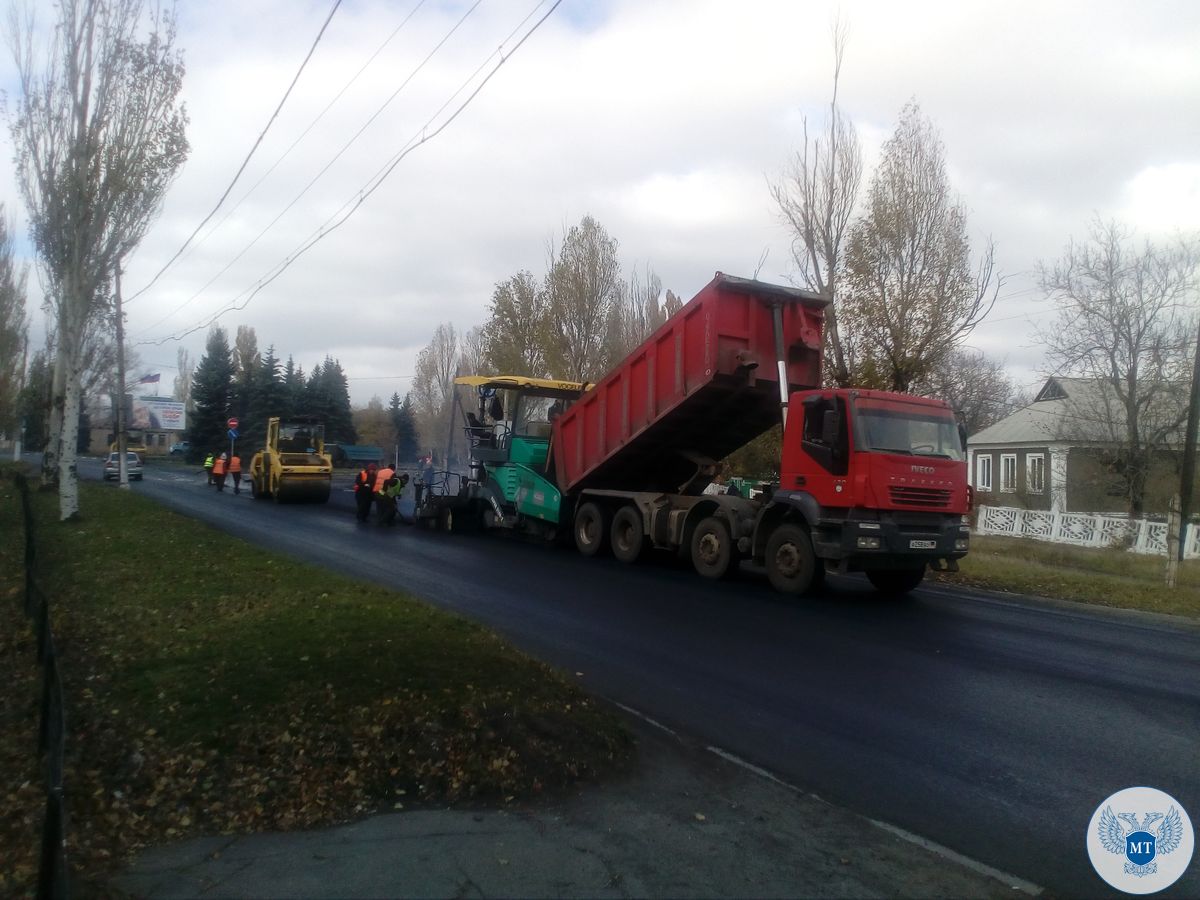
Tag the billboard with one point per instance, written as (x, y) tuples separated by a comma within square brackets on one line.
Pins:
[(152, 414)]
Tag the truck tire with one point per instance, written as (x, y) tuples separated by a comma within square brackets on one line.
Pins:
[(626, 535), (791, 563), (591, 529), (894, 582), (712, 548)]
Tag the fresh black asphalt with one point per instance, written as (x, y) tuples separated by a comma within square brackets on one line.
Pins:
[(991, 724)]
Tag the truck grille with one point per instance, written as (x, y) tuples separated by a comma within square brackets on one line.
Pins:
[(925, 498)]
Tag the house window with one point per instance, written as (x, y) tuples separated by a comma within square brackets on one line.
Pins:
[(1035, 473), (983, 473), (1008, 472)]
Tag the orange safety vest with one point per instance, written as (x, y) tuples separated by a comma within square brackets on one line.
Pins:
[(381, 478), (235, 465), (362, 481), (219, 467)]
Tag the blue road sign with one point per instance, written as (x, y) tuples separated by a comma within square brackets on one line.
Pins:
[(233, 434)]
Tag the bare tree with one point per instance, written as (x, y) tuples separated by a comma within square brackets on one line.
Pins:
[(583, 285), (473, 356), (976, 386), (99, 138), (515, 335), (14, 330), (817, 194), (911, 294), (433, 384), (1124, 321)]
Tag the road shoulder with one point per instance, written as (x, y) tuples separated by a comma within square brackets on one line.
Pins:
[(685, 823)]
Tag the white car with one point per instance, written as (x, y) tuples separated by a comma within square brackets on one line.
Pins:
[(133, 466)]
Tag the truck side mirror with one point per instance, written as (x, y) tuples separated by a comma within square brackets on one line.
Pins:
[(831, 424), (962, 436)]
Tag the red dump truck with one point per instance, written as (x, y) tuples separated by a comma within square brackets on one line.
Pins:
[(868, 480)]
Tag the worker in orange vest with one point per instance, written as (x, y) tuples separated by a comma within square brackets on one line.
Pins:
[(364, 489), (235, 472), (382, 477), (219, 468)]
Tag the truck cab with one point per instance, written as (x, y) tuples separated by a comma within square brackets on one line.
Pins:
[(877, 479)]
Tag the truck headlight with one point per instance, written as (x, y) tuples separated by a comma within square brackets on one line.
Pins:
[(961, 543), (868, 543)]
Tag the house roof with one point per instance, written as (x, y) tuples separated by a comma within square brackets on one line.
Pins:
[(1065, 409), (1074, 410)]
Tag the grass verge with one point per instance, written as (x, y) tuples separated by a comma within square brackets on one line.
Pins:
[(213, 687), (1104, 577)]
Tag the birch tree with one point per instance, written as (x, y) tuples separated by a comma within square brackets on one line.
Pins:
[(99, 136)]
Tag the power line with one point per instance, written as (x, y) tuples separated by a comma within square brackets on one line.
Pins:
[(422, 136), (338, 96), (249, 156), (324, 169)]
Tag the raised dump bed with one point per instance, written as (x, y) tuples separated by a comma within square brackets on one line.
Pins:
[(700, 387)]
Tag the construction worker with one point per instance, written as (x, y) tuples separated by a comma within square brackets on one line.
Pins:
[(364, 490), (208, 465), (219, 467), (382, 476), (393, 491), (235, 472)]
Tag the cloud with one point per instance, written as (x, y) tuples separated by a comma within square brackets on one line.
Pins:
[(662, 118)]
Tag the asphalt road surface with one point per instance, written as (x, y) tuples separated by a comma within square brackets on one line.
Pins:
[(993, 726)]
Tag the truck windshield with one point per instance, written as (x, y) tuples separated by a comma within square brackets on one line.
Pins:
[(896, 427)]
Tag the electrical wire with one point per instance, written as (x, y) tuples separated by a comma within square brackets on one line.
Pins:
[(421, 137), (262, 134), (320, 174)]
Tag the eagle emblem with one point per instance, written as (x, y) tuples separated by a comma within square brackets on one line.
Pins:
[(1140, 842)]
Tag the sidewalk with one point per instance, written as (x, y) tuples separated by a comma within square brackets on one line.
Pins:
[(686, 824)]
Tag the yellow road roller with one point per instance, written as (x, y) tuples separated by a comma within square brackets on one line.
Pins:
[(293, 467)]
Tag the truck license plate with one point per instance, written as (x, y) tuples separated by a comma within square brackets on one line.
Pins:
[(922, 545)]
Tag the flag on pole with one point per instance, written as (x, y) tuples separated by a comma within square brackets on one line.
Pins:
[(148, 379)]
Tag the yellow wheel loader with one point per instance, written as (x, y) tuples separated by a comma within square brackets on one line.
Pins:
[(293, 467)]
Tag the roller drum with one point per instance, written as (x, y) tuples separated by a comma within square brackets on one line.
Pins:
[(303, 490)]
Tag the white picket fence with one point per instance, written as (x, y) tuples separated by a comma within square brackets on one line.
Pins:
[(1083, 529)]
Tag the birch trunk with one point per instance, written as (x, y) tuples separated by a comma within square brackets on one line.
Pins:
[(68, 472)]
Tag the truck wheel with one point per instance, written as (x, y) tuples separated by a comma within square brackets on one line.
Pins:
[(791, 563), (626, 535), (590, 529), (894, 582), (712, 548)]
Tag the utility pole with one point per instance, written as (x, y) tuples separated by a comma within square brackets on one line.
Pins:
[(1187, 477), (122, 441)]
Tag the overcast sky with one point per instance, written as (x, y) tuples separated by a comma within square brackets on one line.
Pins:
[(663, 119)]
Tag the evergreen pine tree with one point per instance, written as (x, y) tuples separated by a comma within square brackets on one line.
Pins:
[(293, 390), (406, 430), (332, 399), (211, 390), (267, 399)]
